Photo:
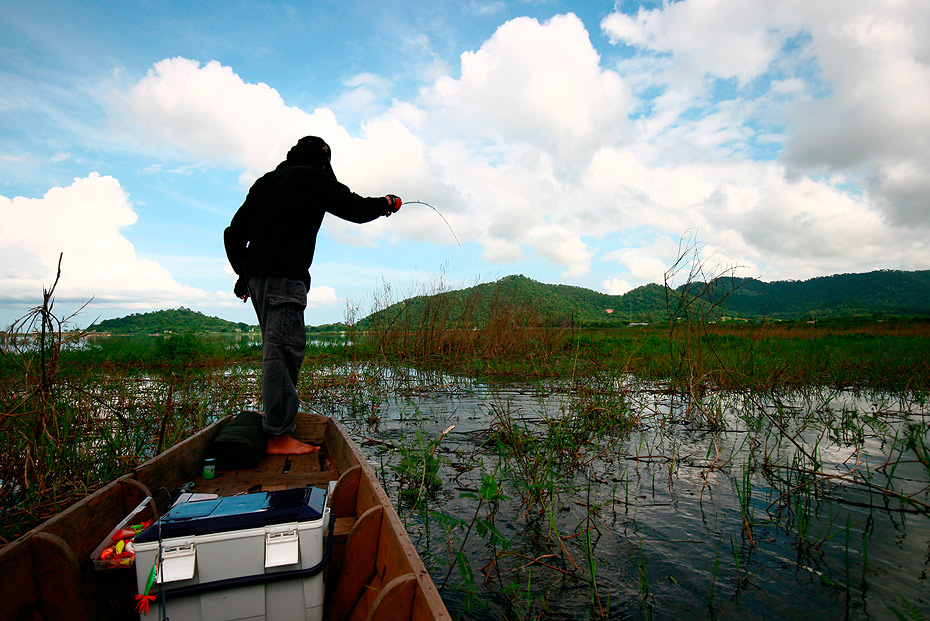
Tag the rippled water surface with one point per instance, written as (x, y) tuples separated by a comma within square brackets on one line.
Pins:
[(617, 499)]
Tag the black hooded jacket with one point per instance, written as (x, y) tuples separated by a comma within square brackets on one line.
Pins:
[(274, 231)]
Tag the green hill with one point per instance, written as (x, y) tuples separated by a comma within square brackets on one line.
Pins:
[(882, 293), (878, 293), (539, 303), (159, 322)]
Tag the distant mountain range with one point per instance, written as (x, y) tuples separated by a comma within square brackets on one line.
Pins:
[(879, 294), (884, 293)]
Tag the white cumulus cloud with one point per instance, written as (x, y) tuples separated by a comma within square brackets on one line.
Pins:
[(83, 222), (791, 137), (849, 85)]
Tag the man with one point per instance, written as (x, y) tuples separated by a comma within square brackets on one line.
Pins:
[(270, 244)]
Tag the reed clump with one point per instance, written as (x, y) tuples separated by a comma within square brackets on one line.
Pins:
[(478, 332), (491, 334), (506, 339), (73, 418)]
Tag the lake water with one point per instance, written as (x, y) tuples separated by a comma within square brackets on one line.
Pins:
[(616, 498), (667, 517)]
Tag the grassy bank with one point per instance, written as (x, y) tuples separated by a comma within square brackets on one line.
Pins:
[(890, 355), (75, 414), (559, 483)]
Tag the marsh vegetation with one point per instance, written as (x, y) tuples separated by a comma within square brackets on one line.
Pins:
[(687, 469)]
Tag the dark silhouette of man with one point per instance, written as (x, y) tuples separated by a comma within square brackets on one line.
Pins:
[(270, 244)]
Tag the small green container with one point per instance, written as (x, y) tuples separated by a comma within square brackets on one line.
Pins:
[(209, 468)]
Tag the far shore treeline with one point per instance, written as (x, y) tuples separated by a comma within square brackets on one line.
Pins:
[(883, 294)]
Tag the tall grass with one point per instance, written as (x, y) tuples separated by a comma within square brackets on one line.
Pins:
[(710, 367), (72, 419), (475, 333), (515, 344), (492, 334)]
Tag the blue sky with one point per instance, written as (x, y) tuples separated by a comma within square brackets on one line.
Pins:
[(572, 142)]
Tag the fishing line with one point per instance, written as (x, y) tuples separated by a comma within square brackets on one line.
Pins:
[(440, 215)]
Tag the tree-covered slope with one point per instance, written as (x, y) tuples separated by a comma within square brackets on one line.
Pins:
[(174, 320), (879, 293), (883, 292), (539, 302)]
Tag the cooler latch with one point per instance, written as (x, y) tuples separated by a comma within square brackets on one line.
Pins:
[(281, 548), (177, 562)]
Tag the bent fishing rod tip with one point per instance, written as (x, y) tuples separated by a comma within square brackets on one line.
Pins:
[(440, 215)]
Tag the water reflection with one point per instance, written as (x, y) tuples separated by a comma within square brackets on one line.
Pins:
[(80, 342), (789, 505)]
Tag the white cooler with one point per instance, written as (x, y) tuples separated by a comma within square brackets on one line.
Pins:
[(219, 557)]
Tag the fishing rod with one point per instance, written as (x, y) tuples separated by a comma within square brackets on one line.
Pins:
[(440, 215), (404, 304)]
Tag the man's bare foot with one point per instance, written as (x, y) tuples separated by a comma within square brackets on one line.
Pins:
[(286, 445)]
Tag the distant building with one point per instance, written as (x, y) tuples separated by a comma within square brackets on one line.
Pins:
[(610, 310)]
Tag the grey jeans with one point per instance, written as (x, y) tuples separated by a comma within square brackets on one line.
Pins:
[(279, 304)]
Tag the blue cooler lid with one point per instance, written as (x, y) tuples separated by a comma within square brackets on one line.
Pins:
[(241, 512)]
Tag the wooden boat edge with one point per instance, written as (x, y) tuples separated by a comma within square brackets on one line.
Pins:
[(427, 595), (69, 587)]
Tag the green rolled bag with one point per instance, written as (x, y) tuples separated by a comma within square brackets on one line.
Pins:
[(240, 444)]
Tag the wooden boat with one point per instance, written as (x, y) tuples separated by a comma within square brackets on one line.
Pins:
[(374, 571)]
